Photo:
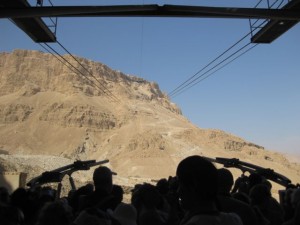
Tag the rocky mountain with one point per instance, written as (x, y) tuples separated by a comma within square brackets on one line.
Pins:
[(49, 110)]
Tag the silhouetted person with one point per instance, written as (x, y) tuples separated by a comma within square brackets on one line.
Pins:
[(226, 203), (254, 179), (295, 203), (4, 195), (198, 180), (102, 197), (75, 196), (147, 201), (125, 214), (241, 185), (273, 204), (56, 213), (162, 186), (10, 215), (93, 216), (243, 197), (260, 196), (286, 197), (117, 192)]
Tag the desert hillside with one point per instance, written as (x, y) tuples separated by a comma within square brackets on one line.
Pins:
[(50, 116)]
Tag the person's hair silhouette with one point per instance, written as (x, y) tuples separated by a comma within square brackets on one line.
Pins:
[(197, 181), (198, 186)]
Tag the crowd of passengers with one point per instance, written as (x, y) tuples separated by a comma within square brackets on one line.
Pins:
[(200, 194)]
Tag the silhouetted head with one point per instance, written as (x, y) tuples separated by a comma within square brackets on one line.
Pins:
[(255, 179), (4, 195), (295, 197), (93, 216), (148, 196), (197, 181), (82, 191), (19, 198), (55, 213), (162, 186), (267, 183), (102, 178), (126, 214), (118, 192), (259, 194), (225, 181)]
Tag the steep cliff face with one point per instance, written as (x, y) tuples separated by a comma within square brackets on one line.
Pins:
[(31, 72), (38, 91), (48, 109)]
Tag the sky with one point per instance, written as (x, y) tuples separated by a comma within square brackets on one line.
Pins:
[(256, 97)]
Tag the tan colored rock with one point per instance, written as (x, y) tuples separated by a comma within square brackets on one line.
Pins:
[(50, 111)]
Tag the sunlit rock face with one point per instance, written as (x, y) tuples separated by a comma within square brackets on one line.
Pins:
[(46, 109)]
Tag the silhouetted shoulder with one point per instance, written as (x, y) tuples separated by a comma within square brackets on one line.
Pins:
[(219, 219), (229, 204)]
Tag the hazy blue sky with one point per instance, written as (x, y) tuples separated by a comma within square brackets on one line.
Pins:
[(256, 97)]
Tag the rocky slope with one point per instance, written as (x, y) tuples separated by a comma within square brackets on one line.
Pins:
[(46, 109)]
